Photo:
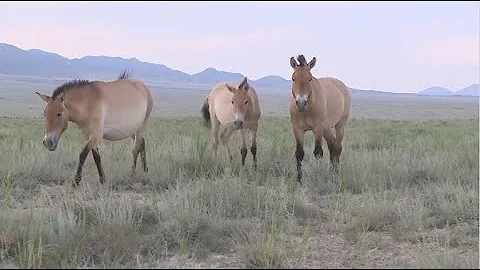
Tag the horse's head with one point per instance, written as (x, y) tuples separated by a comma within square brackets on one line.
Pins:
[(301, 81), (240, 102), (56, 119)]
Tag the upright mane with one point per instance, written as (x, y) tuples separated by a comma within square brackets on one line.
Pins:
[(123, 75), (69, 85), (301, 60), (75, 84)]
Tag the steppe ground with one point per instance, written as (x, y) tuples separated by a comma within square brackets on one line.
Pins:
[(406, 195)]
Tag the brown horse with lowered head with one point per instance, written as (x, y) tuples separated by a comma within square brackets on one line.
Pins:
[(317, 105), (102, 110), (236, 107)]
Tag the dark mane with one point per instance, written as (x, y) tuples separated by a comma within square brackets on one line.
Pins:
[(301, 59), (79, 83), (123, 75), (69, 85)]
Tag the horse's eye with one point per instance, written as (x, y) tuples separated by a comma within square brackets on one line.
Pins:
[(293, 79), (232, 101), (59, 114), (310, 79), (246, 101)]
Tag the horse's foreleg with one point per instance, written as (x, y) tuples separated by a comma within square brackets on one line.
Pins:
[(299, 153), (98, 162), (253, 149), (91, 144), (243, 146)]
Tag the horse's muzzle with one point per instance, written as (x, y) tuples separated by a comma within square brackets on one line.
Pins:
[(301, 105), (238, 124), (50, 143)]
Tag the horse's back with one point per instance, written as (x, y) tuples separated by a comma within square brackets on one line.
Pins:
[(126, 106)]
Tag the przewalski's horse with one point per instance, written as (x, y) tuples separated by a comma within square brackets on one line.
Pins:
[(237, 108), (102, 110), (317, 105)]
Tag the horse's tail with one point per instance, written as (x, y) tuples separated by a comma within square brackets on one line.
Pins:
[(206, 114)]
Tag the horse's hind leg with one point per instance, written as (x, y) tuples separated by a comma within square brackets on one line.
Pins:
[(214, 133), (144, 155), (318, 134), (225, 137), (328, 135), (339, 134), (137, 147)]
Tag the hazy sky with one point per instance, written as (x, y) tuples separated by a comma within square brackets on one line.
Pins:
[(390, 46)]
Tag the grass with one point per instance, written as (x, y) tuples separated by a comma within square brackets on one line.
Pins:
[(406, 195), (406, 192)]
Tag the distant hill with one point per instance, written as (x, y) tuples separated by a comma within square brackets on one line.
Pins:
[(436, 91), (212, 76), (15, 61), (472, 90), (38, 63)]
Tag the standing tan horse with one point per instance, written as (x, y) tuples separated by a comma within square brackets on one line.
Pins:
[(102, 110), (237, 108), (317, 105)]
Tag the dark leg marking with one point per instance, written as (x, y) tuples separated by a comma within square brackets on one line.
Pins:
[(144, 155), (253, 149), (334, 156), (318, 151), (82, 157), (244, 152), (299, 154), (98, 162)]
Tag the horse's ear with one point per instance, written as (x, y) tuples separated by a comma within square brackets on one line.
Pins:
[(61, 96), (244, 84), (293, 63), (312, 63), (44, 97), (231, 88)]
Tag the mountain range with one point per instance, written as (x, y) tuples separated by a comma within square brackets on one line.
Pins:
[(472, 90), (35, 62)]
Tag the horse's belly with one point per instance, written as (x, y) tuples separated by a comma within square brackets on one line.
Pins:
[(121, 131), (330, 122), (121, 124)]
